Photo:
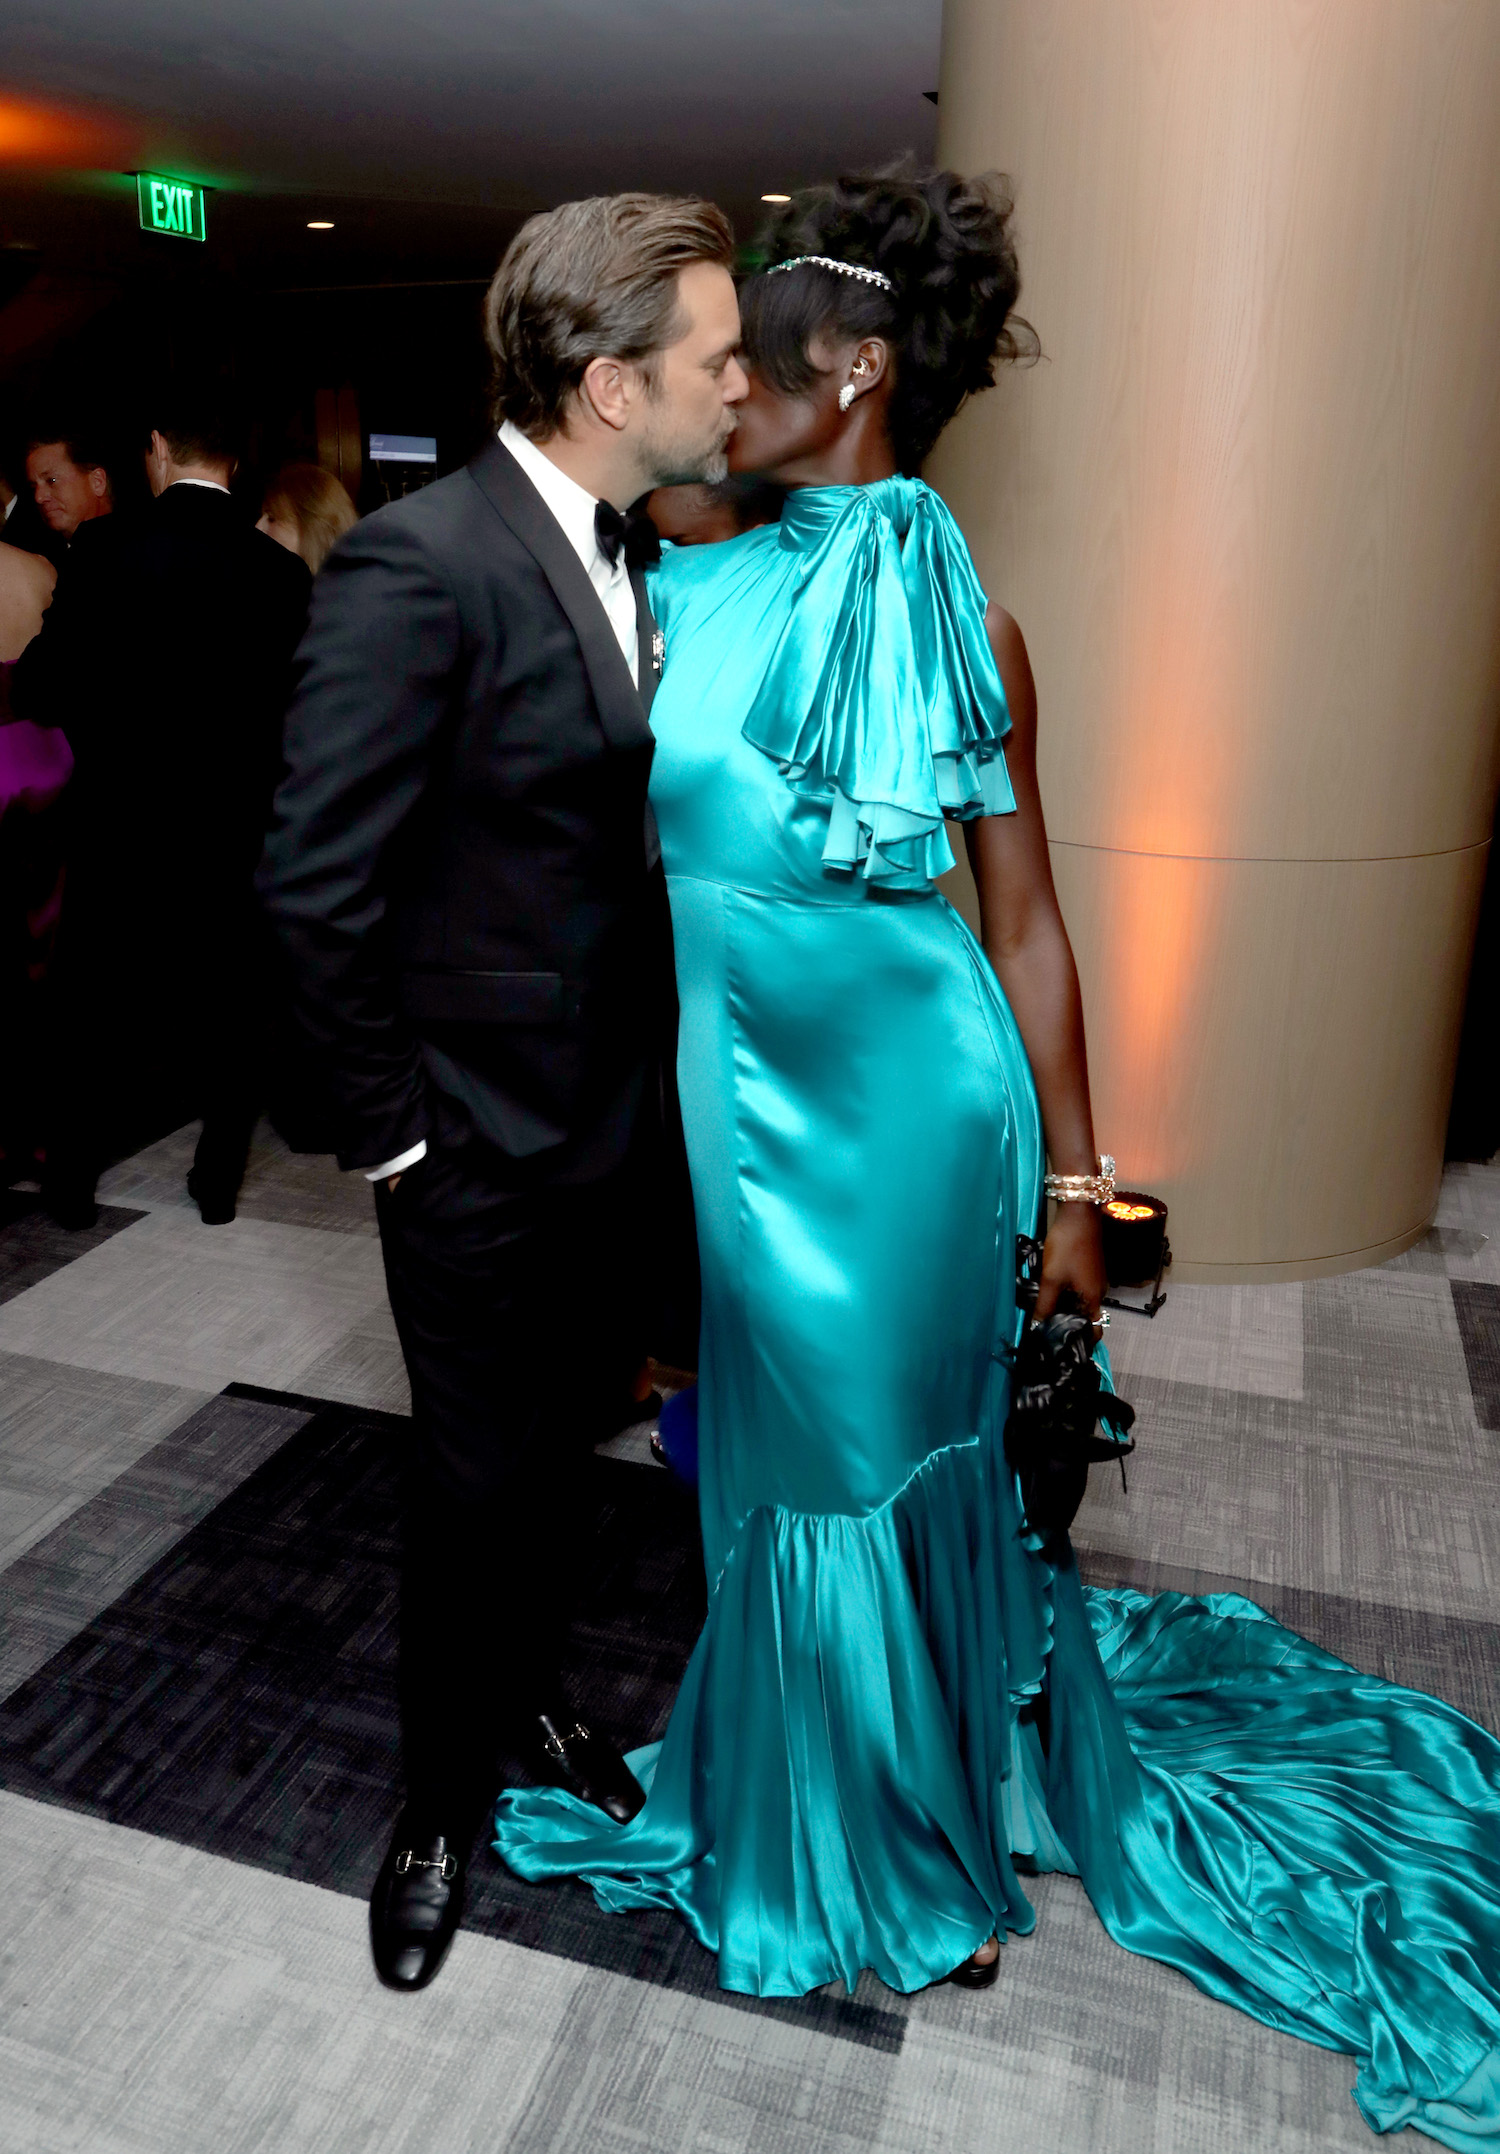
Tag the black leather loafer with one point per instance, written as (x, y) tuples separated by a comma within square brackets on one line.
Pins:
[(589, 1767), (416, 1905)]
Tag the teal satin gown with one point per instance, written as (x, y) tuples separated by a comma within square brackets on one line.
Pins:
[(852, 1775)]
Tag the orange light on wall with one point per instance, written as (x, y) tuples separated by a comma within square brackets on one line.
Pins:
[(38, 134)]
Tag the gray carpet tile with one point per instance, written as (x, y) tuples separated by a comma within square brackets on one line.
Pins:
[(1439, 1248), (1084, 2049), (67, 1432), (1385, 1364), (636, 2068), (1230, 1338), (175, 1301), (96, 1553), (364, 1368), (250, 2022), (1377, 1482), (32, 1246), (298, 1189), (1279, 1492), (1477, 1305), (157, 2000)]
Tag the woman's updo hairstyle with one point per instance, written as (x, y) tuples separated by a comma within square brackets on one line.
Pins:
[(946, 246)]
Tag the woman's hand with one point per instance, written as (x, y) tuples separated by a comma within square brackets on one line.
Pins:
[(1073, 1256)]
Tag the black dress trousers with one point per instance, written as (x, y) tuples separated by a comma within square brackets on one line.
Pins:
[(517, 1305)]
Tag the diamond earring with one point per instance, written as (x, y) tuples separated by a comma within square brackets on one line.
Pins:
[(846, 396)]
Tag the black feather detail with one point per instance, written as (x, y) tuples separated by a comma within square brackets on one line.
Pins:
[(1057, 1404)]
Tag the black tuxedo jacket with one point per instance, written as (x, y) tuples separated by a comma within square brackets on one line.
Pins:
[(462, 869), (166, 657)]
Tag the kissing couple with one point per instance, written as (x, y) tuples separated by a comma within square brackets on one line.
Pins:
[(573, 839)]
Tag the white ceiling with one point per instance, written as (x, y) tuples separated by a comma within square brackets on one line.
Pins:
[(492, 101)]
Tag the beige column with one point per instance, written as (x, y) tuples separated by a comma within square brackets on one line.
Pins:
[(1247, 512)]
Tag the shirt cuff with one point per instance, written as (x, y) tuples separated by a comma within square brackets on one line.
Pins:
[(399, 1164)]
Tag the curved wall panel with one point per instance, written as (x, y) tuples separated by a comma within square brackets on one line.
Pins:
[(1247, 510)]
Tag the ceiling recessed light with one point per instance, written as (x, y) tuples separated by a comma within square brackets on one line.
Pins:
[(776, 198), (319, 224)]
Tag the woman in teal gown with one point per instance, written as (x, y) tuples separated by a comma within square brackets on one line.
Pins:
[(854, 1774)]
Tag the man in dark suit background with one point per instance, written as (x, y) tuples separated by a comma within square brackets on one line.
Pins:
[(65, 489), (166, 659), (463, 876)]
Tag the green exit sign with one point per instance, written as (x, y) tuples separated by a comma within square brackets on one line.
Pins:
[(170, 205)]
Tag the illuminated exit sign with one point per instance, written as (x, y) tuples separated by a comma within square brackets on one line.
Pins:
[(170, 205)]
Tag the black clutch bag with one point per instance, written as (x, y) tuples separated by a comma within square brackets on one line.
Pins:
[(1062, 1420)]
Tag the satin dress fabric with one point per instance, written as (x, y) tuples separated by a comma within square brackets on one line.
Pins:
[(852, 1775)]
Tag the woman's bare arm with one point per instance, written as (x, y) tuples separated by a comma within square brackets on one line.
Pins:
[(1026, 942)]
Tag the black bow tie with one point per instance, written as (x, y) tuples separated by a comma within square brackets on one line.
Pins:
[(634, 536)]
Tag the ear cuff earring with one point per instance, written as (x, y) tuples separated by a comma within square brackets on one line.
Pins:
[(848, 393)]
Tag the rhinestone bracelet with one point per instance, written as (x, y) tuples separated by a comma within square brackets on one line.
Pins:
[(1084, 1188)]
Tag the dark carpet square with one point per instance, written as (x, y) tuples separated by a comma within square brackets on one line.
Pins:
[(32, 1246), (241, 1696), (1478, 1307)]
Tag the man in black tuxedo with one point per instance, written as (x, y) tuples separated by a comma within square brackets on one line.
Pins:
[(166, 658), (464, 879)]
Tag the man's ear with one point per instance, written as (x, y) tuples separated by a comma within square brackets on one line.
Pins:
[(98, 481), (609, 389)]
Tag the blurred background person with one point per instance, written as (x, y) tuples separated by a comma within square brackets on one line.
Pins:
[(21, 524), (307, 510), (167, 663), (704, 515), (69, 481), (35, 765)]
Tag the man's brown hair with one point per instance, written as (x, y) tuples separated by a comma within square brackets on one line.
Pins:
[(591, 280)]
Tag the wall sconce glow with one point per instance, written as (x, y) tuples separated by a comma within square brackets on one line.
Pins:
[(32, 134), (171, 206), (776, 198), (319, 224)]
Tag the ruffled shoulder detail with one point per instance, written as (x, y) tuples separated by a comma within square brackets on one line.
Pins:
[(882, 695)]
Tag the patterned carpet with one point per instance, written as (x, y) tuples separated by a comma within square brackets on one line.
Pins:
[(199, 1435)]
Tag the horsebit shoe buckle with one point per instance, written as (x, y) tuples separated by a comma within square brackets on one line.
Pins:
[(447, 1864), (557, 1745)]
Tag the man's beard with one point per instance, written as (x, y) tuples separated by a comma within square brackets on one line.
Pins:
[(674, 463)]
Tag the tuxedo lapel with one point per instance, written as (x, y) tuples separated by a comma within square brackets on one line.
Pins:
[(622, 712)]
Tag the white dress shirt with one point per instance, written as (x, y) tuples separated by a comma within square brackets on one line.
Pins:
[(573, 508)]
